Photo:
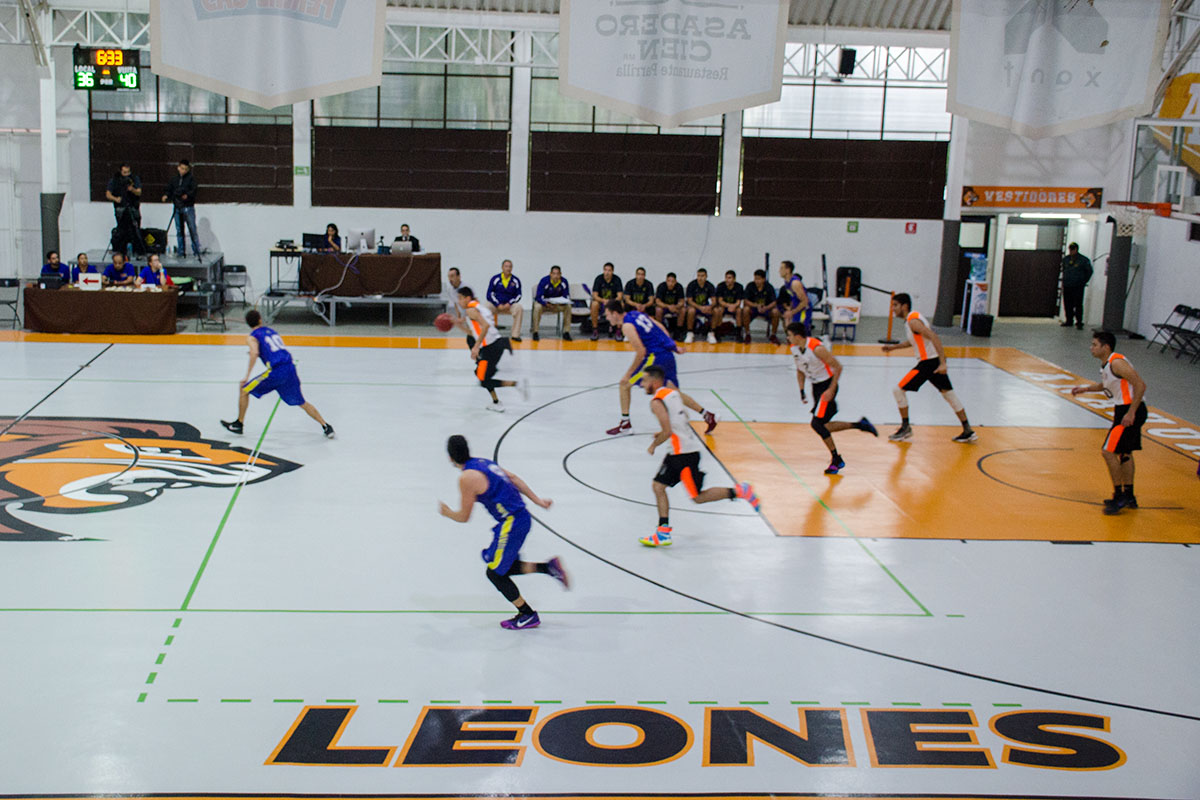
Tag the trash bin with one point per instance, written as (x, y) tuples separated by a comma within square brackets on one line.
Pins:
[(981, 324)]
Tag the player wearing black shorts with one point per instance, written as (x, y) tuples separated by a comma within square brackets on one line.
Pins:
[(760, 302), (1120, 381), (931, 367), (814, 361)]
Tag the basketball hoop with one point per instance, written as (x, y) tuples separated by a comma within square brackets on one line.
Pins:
[(1132, 217)]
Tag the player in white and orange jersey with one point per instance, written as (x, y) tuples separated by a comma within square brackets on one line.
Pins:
[(683, 462), (1120, 381), (931, 366), (814, 362)]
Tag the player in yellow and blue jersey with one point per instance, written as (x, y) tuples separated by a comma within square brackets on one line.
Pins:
[(499, 491), (280, 375)]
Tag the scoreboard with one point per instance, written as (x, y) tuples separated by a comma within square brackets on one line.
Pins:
[(107, 70)]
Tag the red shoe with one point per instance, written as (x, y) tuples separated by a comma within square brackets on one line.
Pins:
[(711, 419), (624, 426), (774, 339)]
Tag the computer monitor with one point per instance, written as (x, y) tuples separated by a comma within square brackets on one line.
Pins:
[(314, 241), (360, 240)]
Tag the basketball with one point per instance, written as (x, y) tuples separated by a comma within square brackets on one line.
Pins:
[(443, 322)]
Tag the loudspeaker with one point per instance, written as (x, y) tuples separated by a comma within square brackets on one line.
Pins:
[(848, 59)]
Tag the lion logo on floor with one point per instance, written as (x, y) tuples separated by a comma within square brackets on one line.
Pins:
[(78, 465)]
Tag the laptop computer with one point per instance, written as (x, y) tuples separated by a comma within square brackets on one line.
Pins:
[(50, 281), (313, 241), (399, 246)]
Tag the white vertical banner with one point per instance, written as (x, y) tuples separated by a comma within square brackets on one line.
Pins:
[(1050, 67), (671, 61), (269, 52)]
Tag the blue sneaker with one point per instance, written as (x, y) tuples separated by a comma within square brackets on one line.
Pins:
[(835, 466), (864, 424), (521, 621), (557, 572)]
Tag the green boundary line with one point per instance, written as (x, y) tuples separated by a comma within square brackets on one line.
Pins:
[(841, 523), (415, 611), (228, 510)]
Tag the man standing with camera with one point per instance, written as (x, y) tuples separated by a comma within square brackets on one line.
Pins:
[(181, 190), (125, 192)]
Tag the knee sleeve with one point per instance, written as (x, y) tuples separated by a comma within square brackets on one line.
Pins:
[(901, 398), (504, 585), (953, 400), (819, 426)]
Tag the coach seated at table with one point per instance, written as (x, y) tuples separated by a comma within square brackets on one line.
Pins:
[(81, 267), (504, 293), (119, 272), (553, 296), (153, 274), (54, 266)]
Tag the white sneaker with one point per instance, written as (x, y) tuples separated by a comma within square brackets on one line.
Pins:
[(691, 337), (523, 387), (712, 338), (497, 407)]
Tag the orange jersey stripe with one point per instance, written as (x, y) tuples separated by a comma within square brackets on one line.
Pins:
[(481, 369), (1114, 438)]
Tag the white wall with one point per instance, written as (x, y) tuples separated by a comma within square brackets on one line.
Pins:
[(1171, 274), (476, 241)]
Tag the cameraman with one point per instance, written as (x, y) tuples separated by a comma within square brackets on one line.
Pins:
[(125, 192), (181, 190)]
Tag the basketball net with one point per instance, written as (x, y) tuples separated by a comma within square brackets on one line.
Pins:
[(1133, 217)]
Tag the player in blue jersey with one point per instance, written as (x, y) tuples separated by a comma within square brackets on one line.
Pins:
[(796, 308), (500, 492), (652, 345), (280, 375)]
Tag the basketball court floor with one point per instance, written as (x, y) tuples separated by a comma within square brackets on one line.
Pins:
[(191, 613)]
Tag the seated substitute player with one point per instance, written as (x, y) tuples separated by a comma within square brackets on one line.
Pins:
[(504, 293), (639, 293), (670, 305), (280, 375), (652, 346), (701, 302), (553, 296), (760, 302), (814, 361), (931, 366), (729, 301), (119, 273), (499, 491), (795, 308), (683, 462), (489, 345), (1120, 381), (606, 287)]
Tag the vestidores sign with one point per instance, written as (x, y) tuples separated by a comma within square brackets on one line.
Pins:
[(1049, 67), (671, 61), (269, 52)]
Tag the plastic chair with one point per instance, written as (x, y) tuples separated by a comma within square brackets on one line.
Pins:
[(211, 311), (235, 279), (10, 294)]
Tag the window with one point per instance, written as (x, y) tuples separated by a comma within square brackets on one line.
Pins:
[(551, 111), (425, 96)]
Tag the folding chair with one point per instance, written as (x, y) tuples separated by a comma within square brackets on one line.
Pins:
[(211, 311), (10, 294), (235, 279), (1171, 327)]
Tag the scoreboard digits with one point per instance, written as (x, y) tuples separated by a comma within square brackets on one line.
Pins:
[(107, 70)]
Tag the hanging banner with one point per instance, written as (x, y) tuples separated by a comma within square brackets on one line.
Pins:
[(1049, 67), (671, 61), (1035, 197), (269, 52), (1182, 100)]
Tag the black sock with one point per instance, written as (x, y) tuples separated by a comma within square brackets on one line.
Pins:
[(543, 567), (904, 421), (966, 425), (524, 609), (663, 522), (732, 494), (834, 454)]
